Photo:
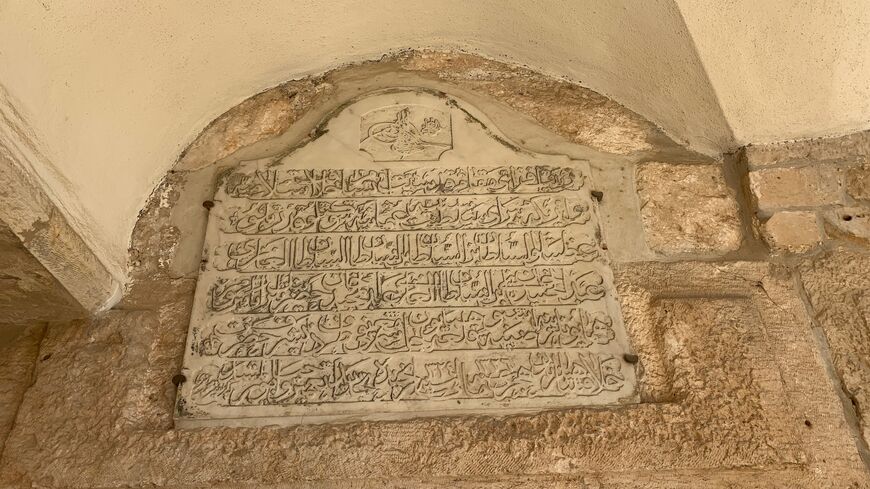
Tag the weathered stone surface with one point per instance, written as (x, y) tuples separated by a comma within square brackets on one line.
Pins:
[(29, 292), (858, 182), (346, 290), (850, 224), (154, 281), (687, 209), (838, 287), (729, 411), (44, 231), (19, 347), (807, 186), (570, 110), (849, 148), (151, 350), (793, 231), (790, 332), (579, 114), (262, 116)]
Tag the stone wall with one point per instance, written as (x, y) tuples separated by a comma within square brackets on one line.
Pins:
[(812, 202), (809, 202), (751, 338), (812, 194)]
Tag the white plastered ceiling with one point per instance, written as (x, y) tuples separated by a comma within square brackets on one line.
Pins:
[(112, 91)]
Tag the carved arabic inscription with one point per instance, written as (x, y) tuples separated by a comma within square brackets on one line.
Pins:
[(350, 293)]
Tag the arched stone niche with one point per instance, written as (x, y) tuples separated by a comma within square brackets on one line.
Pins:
[(727, 372), (536, 112), (408, 261)]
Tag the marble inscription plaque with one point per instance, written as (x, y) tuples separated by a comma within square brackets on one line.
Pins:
[(333, 294)]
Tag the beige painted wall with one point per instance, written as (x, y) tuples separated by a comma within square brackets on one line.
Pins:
[(114, 90), (786, 69)]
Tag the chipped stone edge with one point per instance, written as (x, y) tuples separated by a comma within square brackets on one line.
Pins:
[(43, 228)]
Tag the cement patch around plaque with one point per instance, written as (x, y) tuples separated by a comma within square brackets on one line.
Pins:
[(408, 262)]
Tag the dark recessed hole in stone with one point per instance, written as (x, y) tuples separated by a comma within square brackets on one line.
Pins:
[(178, 379), (847, 218), (46, 356), (808, 423)]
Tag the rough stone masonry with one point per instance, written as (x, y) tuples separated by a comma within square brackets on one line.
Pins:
[(743, 305)]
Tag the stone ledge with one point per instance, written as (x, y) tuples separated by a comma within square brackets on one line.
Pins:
[(29, 292), (47, 235)]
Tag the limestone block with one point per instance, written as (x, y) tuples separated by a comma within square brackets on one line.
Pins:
[(849, 224), (838, 287), (808, 186), (44, 231), (846, 148), (793, 231), (687, 209), (858, 182)]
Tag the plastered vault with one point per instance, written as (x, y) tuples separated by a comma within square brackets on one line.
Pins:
[(442, 271)]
